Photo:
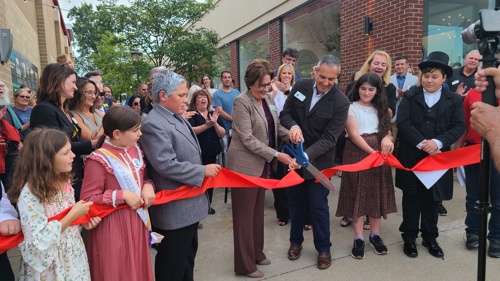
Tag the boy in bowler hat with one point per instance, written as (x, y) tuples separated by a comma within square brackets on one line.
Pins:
[(429, 120)]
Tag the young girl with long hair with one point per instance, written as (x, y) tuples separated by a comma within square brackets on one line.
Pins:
[(118, 248), (369, 192), (41, 187)]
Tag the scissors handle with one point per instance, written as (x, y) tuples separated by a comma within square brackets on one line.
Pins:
[(297, 150)]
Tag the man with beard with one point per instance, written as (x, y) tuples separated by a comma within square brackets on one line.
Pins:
[(223, 101)]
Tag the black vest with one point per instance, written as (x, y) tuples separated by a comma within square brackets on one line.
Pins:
[(428, 126)]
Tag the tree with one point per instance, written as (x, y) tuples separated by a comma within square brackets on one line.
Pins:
[(158, 28), (161, 29), (89, 26), (118, 69)]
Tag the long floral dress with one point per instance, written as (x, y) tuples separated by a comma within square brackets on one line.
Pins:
[(48, 254)]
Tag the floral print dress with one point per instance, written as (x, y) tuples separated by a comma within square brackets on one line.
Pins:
[(48, 254)]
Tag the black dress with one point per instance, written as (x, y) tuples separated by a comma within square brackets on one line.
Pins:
[(49, 115)]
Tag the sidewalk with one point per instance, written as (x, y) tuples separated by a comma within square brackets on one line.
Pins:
[(214, 261)]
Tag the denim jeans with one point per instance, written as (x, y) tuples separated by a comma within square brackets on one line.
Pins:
[(472, 188)]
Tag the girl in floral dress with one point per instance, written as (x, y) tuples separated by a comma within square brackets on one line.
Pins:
[(118, 248), (41, 187)]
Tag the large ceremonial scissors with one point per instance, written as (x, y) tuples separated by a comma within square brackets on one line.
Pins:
[(297, 151)]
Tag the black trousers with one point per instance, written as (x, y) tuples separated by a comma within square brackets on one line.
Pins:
[(176, 253), (6, 273), (419, 208)]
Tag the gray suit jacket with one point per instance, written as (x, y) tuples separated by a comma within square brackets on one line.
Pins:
[(174, 159)]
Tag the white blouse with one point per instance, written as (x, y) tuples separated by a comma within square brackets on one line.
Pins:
[(366, 117)]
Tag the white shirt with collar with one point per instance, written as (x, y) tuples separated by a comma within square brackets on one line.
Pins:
[(431, 99)]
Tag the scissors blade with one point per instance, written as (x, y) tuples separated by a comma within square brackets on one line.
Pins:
[(320, 177)]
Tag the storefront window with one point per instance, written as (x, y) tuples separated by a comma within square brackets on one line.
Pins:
[(443, 25), (314, 31), (253, 46)]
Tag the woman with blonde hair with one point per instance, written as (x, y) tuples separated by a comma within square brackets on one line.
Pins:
[(379, 62)]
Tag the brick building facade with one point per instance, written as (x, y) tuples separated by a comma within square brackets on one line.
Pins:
[(39, 34), (412, 28)]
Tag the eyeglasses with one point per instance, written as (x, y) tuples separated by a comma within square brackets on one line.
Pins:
[(102, 94), (2, 86), (24, 97), (265, 86), (136, 103), (90, 92), (200, 97)]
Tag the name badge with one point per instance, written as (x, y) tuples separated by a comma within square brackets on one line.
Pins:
[(272, 107), (300, 96), (136, 162), (454, 82)]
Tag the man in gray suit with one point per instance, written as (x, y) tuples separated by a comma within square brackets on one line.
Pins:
[(174, 159)]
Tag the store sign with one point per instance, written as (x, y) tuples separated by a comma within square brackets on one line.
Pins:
[(23, 71)]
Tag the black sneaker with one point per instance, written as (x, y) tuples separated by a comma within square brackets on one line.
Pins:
[(442, 210), (358, 249), (378, 245), (472, 240), (494, 249)]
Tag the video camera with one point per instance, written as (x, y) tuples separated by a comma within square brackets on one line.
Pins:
[(485, 32), (488, 25)]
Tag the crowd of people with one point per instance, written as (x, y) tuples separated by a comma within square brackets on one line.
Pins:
[(91, 149)]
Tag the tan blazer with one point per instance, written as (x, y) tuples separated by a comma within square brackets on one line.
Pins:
[(249, 150)]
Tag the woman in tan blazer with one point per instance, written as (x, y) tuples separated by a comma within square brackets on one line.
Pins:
[(252, 151)]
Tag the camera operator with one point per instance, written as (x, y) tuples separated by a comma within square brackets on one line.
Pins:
[(485, 119)]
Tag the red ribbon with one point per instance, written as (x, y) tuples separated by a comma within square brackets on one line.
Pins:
[(225, 178), (446, 160)]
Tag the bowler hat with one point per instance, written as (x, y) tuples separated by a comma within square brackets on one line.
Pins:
[(439, 60)]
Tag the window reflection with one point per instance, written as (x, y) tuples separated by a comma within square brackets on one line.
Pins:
[(443, 25)]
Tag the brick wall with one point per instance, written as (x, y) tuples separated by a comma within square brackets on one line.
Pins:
[(234, 53), (398, 34), (275, 43)]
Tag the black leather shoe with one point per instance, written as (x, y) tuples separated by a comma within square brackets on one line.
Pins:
[(433, 248), (410, 248)]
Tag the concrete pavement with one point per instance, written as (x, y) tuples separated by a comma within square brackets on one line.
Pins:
[(214, 260)]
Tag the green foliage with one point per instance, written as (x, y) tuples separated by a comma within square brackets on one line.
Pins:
[(118, 70), (161, 29)]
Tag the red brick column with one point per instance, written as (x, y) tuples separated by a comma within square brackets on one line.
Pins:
[(275, 43), (234, 53), (399, 34)]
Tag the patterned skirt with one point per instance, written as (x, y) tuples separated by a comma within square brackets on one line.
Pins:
[(369, 192)]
